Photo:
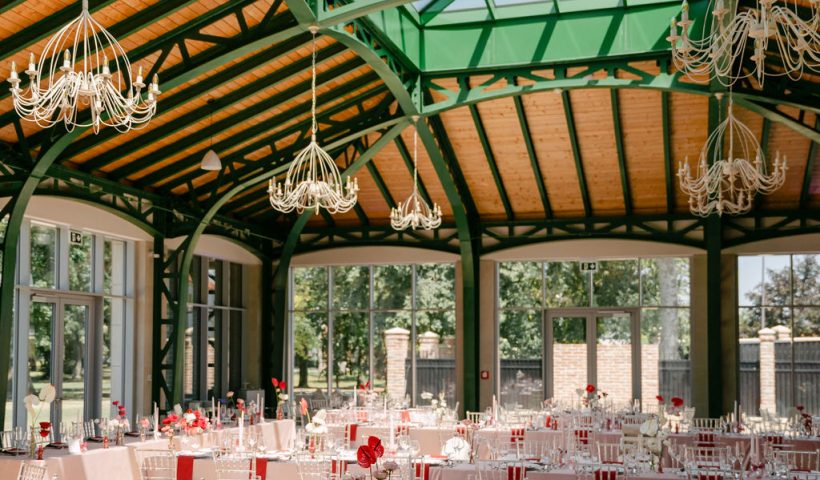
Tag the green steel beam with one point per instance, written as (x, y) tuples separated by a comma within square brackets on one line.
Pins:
[(669, 168), (377, 178), (164, 42), (536, 167), (356, 9), (408, 162), (811, 161), (449, 155), (765, 134), (548, 39), (195, 91), (250, 134), (45, 27), (775, 115), (302, 11), (363, 44), (619, 146), (432, 9), (10, 4), (238, 95), (576, 153), (16, 209), (488, 154), (163, 153)]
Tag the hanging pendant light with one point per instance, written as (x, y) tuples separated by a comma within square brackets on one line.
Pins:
[(728, 183), (313, 180), (85, 44), (414, 212), (211, 160)]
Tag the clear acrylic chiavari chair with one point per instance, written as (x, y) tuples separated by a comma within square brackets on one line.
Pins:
[(235, 465), (30, 471), (156, 464)]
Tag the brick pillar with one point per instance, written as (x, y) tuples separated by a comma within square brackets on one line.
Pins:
[(429, 345), (396, 343), (767, 377)]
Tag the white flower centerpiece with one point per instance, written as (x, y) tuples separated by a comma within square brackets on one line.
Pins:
[(653, 438), (34, 405), (316, 428)]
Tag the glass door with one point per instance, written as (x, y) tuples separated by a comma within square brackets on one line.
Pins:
[(591, 346), (58, 354)]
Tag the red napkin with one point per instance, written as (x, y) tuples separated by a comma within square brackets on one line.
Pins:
[(606, 474), (338, 468), (423, 471), (402, 430), (185, 467), (350, 432), (582, 435), (775, 439), (517, 435), (703, 476), (704, 437), (516, 473), (261, 468), (548, 422), (461, 430), (405, 416)]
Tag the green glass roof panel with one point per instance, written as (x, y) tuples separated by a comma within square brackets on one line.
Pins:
[(506, 3)]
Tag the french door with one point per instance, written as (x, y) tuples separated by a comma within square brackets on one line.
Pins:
[(61, 351), (592, 346)]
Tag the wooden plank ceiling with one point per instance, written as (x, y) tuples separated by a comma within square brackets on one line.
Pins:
[(546, 154)]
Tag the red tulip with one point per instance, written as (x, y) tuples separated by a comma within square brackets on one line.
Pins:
[(304, 406), (800, 408), (274, 382), (659, 398), (590, 388), (365, 456), (376, 444), (677, 402), (171, 418), (115, 402), (283, 386)]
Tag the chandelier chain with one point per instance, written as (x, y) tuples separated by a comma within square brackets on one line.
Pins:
[(314, 126)]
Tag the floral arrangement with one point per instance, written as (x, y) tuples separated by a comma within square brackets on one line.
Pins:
[(590, 396), (439, 405), (368, 455), (654, 436), (279, 389), (804, 418), (675, 406), (47, 395), (120, 421), (192, 422), (316, 425), (367, 393), (34, 405)]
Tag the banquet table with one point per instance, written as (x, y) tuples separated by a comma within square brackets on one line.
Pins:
[(99, 463), (463, 472)]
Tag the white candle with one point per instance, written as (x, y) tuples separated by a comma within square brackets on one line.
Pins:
[(156, 421), (241, 428), (355, 396)]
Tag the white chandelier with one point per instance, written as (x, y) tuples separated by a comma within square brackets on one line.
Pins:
[(313, 180), (414, 212), (797, 42), (84, 43), (729, 183)]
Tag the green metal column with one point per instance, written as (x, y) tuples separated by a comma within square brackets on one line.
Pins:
[(15, 211), (713, 233), (266, 325), (156, 304)]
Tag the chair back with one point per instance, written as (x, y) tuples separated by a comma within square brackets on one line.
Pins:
[(609, 453), (708, 424), (30, 471), (313, 467), (235, 466), (797, 461), (156, 464), (475, 417)]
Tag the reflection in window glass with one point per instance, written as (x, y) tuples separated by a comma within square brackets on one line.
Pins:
[(665, 346), (41, 330), (310, 352), (435, 354), (392, 286), (350, 288), (114, 267), (616, 283), (519, 284), (520, 343), (566, 285), (43, 256), (79, 263), (665, 282), (779, 346), (374, 336)]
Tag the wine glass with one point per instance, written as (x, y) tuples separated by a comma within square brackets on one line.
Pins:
[(251, 441), (404, 442)]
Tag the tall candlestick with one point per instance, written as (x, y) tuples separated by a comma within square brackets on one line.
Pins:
[(156, 421), (241, 428)]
